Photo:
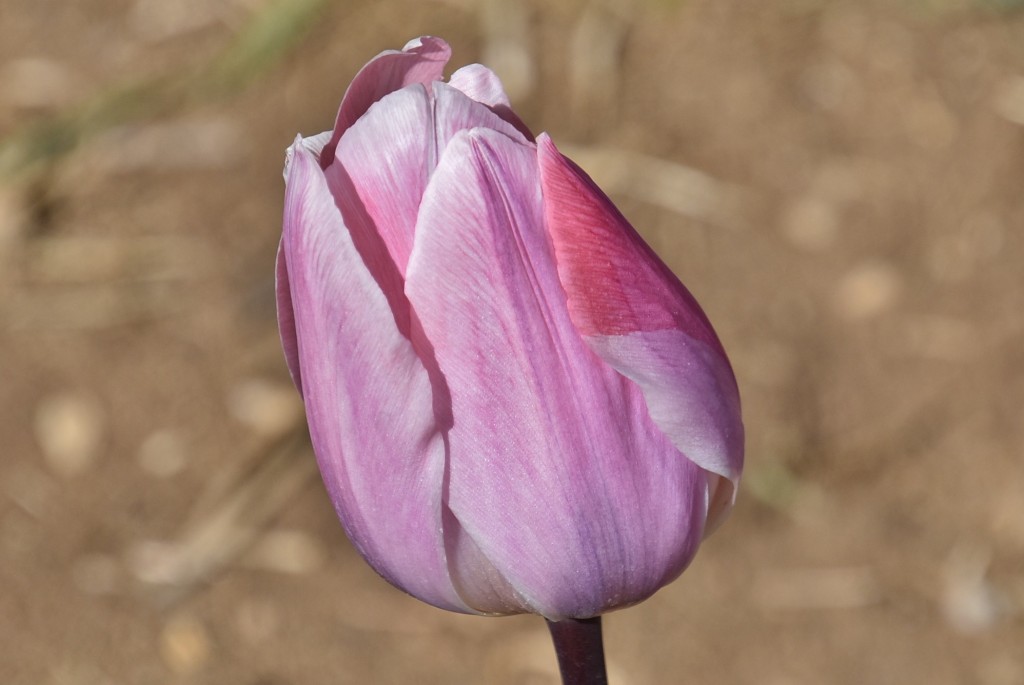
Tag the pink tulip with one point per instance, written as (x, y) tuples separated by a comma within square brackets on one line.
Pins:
[(515, 405)]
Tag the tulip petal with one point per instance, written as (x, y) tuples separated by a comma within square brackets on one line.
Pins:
[(556, 472), (422, 60), (484, 86), (635, 314), (314, 144), (369, 400), (481, 84), (387, 158), (286, 318)]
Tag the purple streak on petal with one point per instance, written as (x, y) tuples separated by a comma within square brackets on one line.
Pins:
[(421, 61), (636, 315), (368, 397), (556, 471), (484, 86)]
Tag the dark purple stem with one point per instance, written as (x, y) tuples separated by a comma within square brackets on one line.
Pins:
[(580, 650)]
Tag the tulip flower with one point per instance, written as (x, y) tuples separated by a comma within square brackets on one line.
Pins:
[(515, 405)]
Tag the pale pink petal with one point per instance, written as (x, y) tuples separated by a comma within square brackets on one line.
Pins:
[(387, 157), (369, 400), (286, 318), (477, 580), (313, 144), (721, 497), (690, 392), (481, 84), (455, 111), (636, 315), (484, 86), (422, 60), (556, 472)]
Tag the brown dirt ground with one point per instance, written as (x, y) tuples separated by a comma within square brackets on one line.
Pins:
[(841, 184)]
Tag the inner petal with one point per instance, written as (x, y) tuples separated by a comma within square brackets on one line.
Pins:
[(389, 155)]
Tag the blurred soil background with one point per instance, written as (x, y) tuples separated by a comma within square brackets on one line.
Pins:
[(841, 184)]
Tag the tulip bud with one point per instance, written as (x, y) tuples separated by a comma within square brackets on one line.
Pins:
[(515, 405)]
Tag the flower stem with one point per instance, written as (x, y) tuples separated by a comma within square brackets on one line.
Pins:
[(580, 650)]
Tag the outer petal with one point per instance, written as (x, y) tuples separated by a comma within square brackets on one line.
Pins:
[(368, 397), (636, 315), (557, 474), (422, 60), (286, 318), (313, 144), (387, 158)]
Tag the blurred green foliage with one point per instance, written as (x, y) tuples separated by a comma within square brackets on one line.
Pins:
[(772, 484), (257, 48)]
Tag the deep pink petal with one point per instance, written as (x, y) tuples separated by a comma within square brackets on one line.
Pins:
[(557, 474), (597, 248), (387, 158), (636, 315), (369, 401), (422, 60), (484, 86)]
